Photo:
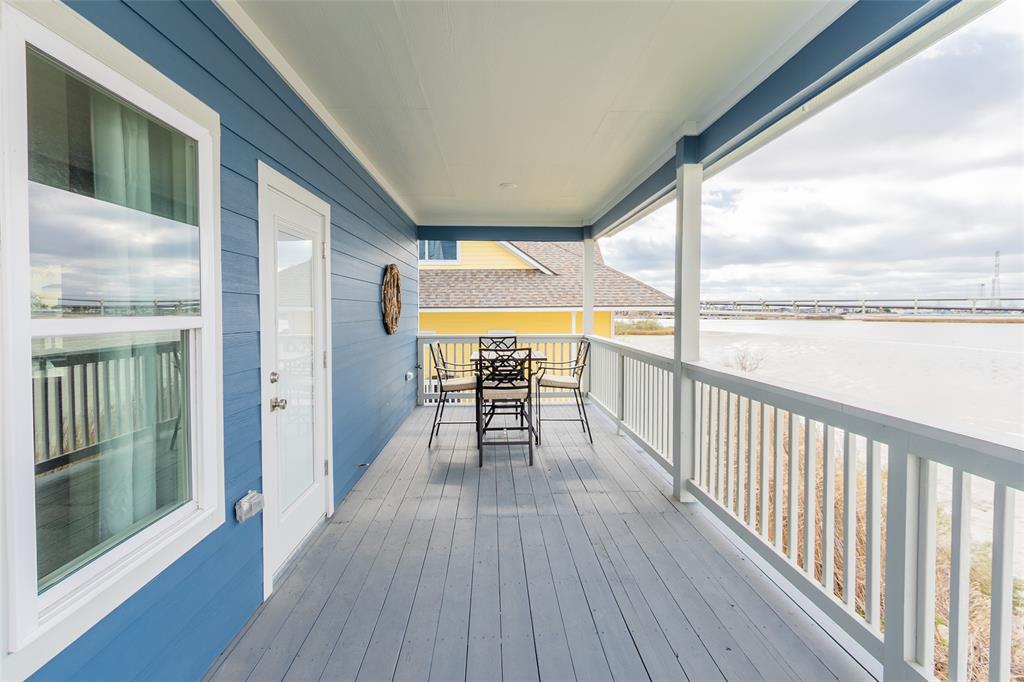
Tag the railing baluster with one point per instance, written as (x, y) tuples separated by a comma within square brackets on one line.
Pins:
[(728, 451), (712, 430), (1001, 626), (959, 575), (777, 493), (719, 446), (810, 494), (793, 511), (751, 493), (925, 601), (698, 472), (828, 510), (763, 504), (740, 456), (849, 521), (873, 576)]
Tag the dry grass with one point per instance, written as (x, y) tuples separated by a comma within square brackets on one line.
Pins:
[(979, 609)]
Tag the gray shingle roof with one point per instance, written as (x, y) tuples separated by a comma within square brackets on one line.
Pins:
[(535, 289)]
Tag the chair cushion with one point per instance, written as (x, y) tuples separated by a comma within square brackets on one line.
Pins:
[(559, 381), (458, 384), (506, 393)]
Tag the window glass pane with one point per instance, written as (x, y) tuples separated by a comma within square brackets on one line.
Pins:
[(111, 442), (438, 250), (112, 203), (84, 140), (90, 257), (449, 250)]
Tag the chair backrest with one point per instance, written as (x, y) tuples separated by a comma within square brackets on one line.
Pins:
[(502, 342), (437, 356), (503, 367), (582, 353)]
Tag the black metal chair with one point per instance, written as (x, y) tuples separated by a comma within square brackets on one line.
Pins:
[(452, 377), (500, 342), (503, 389), (566, 376)]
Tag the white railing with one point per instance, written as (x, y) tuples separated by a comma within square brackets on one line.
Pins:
[(762, 450), (458, 348), (635, 388)]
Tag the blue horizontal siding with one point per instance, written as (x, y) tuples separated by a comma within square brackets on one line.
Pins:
[(177, 624)]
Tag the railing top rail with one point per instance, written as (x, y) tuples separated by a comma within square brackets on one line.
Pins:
[(633, 352), (473, 338), (1003, 446)]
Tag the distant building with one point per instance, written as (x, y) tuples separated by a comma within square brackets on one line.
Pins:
[(525, 287)]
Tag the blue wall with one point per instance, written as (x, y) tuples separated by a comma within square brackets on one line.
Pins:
[(178, 624)]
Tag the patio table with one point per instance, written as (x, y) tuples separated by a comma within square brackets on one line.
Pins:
[(536, 356)]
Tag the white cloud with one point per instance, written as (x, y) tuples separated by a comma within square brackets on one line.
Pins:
[(905, 188)]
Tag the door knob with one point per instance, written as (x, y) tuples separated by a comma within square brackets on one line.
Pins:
[(274, 376), (278, 404)]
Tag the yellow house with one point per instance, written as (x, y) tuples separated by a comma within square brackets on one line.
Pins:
[(522, 287)]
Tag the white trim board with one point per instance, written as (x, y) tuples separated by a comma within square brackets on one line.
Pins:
[(519, 253)]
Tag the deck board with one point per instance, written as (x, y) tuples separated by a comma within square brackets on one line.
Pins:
[(580, 567)]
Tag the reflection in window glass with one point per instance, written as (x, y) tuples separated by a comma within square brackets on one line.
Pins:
[(84, 140), (112, 203), (94, 258), (435, 249), (111, 442)]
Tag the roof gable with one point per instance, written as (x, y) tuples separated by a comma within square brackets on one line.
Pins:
[(559, 285)]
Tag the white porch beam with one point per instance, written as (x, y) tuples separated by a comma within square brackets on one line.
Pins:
[(686, 342), (588, 286)]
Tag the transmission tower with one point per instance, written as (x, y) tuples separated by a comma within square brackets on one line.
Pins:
[(996, 293)]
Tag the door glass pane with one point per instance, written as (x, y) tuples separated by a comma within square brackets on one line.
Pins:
[(111, 442), (113, 218), (295, 445)]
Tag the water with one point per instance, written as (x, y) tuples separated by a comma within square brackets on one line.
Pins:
[(967, 375)]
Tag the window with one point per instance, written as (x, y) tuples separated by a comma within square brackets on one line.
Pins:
[(439, 251), (111, 443)]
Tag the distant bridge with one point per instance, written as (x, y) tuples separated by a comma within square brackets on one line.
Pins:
[(888, 306)]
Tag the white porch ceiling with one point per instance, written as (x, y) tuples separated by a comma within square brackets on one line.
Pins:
[(573, 102)]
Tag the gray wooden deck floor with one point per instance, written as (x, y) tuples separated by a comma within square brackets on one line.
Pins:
[(577, 568)]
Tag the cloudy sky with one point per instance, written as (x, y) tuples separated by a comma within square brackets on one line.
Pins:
[(905, 188)]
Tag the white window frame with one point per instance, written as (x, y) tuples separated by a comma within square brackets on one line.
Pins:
[(438, 261), (34, 627)]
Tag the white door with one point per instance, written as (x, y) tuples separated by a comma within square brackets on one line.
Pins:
[(294, 229)]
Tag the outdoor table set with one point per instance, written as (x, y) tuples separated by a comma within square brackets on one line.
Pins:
[(506, 380)]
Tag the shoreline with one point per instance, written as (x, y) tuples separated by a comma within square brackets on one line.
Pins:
[(940, 319)]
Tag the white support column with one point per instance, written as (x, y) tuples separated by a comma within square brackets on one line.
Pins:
[(686, 347), (588, 286)]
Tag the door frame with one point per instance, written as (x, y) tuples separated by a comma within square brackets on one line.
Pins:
[(270, 180)]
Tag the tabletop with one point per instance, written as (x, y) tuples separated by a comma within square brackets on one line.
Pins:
[(535, 356)]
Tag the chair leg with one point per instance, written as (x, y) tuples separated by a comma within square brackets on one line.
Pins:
[(479, 431), (437, 420), (440, 417), (586, 419), (529, 433), (577, 395), (539, 418)]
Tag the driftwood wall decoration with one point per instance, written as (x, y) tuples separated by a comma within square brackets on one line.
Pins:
[(391, 298)]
